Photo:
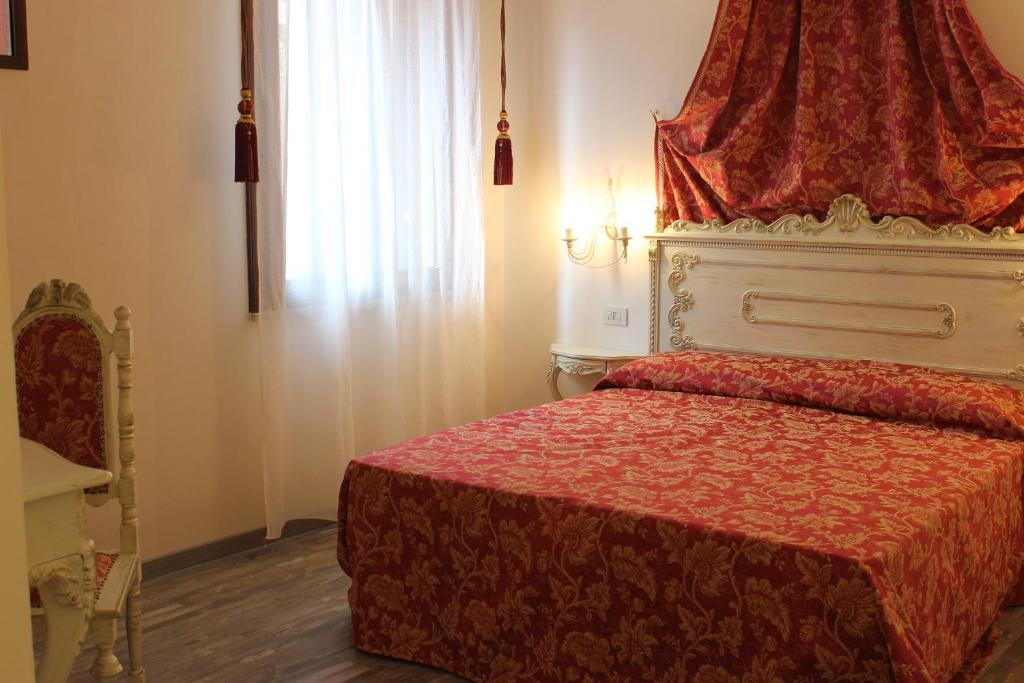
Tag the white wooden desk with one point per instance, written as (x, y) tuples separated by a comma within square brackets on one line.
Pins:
[(61, 561)]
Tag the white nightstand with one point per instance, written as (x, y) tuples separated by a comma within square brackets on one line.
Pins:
[(584, 360)]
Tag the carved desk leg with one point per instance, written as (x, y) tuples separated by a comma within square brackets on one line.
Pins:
[(572, 366), (553, 372), (66, 590)]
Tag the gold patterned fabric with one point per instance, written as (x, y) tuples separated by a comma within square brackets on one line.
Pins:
[(59, 379), (900, 102), (892, 391), (642, 534)]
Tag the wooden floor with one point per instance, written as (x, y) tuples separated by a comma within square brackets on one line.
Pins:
[(279, 613)]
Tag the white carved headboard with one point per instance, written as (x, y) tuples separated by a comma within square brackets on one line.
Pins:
[(846, 287)]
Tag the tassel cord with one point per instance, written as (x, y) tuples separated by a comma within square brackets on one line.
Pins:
[(504, 75)]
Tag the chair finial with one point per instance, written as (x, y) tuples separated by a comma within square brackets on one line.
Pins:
[(123, 315)]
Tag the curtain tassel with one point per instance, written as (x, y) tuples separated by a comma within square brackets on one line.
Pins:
[(503, 145), (247, 167), (503, 153)]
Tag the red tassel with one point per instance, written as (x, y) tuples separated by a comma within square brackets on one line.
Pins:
[(503, 153), (247, 165)]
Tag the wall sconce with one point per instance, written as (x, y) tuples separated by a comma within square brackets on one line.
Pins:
[(611, 229), (620, 235)]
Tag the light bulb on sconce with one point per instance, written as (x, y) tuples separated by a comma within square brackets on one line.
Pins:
[(618, 234)]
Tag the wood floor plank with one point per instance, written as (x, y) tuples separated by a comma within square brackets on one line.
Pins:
[(280, 613)]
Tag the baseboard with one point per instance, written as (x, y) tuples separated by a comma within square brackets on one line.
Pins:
[(207, 552)]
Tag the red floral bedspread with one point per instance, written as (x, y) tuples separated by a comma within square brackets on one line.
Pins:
[(637, 534)]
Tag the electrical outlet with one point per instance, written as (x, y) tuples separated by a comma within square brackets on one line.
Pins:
[(616, 317)]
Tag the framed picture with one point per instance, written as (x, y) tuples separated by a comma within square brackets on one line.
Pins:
[(13, 35)]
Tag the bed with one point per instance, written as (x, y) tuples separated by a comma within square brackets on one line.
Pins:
[(809, 479)]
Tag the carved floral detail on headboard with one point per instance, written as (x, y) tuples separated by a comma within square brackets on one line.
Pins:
[(683, 300), (849, 214)]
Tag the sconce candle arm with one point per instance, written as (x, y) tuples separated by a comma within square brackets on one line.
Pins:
[(584, 257)]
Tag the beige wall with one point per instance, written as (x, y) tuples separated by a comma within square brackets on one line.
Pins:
[(119, 166), (607, 63), (615, 64), (521, 264), (15, 633)]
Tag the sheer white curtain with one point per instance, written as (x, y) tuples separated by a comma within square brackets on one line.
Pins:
[(372, 243)]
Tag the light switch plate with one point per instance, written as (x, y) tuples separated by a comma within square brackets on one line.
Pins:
[(616, 317)]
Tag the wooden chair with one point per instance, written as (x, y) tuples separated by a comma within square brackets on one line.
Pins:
[(64, 380)]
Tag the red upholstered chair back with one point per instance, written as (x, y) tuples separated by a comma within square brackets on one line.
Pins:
[(60, 380), (62, 352)]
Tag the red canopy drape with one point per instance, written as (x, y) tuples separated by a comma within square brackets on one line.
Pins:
[(796, 102)]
